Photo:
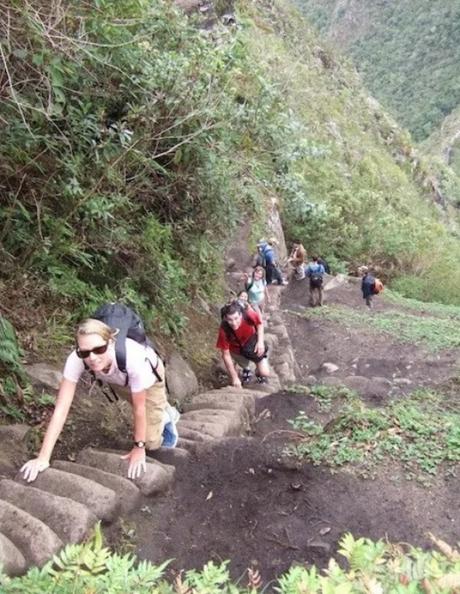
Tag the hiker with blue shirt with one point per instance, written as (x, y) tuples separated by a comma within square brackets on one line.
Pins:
[(315, 272), (141, 380), (267, 259)]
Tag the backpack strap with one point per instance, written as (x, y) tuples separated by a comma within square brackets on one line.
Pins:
[(113, 396), (154, 369)]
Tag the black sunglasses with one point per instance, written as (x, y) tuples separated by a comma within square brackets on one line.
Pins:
[(99, 350)]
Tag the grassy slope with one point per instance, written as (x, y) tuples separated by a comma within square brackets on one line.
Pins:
[(408, 53)]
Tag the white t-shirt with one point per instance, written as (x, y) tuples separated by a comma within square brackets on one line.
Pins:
[(140, 373)]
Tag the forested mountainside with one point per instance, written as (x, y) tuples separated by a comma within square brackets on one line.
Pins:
[(135, 138), (444, 142), (407, 51)]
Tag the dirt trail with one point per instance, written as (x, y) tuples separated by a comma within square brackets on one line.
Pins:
[(241, 500)]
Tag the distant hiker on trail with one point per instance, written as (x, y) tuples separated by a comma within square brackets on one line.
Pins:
[(297, 260), (241, 340), (268, 260), (315, 272), (256, 288), (132, 369), (370, 286)]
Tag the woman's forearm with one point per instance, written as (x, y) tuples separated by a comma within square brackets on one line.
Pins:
[(64, 401), (139, 416)]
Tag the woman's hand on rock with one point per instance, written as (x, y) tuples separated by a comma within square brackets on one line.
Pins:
[(32, 468), (137, 464)]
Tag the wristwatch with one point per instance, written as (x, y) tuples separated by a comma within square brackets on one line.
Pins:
[(139, 444)]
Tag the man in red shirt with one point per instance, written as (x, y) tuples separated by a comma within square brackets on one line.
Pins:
[(241, 340)]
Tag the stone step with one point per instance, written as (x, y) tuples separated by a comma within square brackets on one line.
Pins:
[(70, 520), (271, 340), (157, 478), (31, 536), (128, 495), (13, 450), (242, 401), (213, 430), (193, 435), (170, 456), (188, 444), (233, 422), (12, 560), (100, 500)]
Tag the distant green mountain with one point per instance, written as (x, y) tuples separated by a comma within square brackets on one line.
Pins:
[(408, 52)]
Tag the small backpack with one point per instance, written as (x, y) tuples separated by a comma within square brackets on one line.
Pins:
[(316, 280), (129, 325), (378, 286)]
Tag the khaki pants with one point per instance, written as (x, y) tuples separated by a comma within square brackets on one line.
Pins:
[(155, 405)]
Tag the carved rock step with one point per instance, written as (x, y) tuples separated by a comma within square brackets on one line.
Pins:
[(229, 398), (170, 456), (32, 537), (128, 495), (12, 560), (13, 440), (70, 520), (230, 420), (157, 478), (100, 500)]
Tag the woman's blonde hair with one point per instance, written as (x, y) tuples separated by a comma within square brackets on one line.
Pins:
[(91, 326)]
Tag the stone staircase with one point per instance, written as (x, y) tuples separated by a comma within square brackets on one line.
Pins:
[(63, 504)]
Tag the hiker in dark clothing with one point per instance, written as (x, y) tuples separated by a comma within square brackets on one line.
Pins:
[(367, 286), (322, 261), (315, 272)]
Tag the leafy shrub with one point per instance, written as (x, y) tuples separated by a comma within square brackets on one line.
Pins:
[(371, 567)]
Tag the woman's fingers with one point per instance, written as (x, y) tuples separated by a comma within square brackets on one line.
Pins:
[(137, 469), (32, 468)]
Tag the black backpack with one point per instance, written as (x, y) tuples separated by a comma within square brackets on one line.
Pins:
[(129, 325), (316, 280)]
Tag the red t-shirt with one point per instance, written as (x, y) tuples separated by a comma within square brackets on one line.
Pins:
[(243, 333)]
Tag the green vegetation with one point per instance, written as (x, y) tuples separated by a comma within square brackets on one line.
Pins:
[(408, 53), (444, 143), (119, 164), (420, 432), (344, 171), (371, 567), (324, 395), (433, 309), (13, 380), (137, 142), (431, 332)]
